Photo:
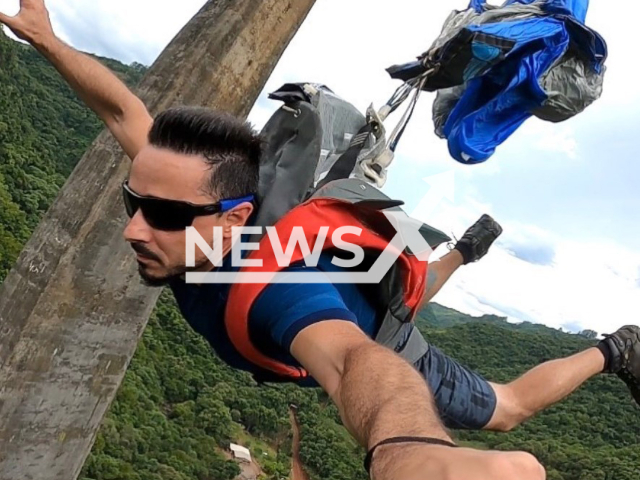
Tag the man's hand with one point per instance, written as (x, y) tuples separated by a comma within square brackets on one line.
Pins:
[(421, 462), (31, 23)]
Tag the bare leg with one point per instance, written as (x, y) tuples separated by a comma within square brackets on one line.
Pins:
[(440, 272), (473, 245), (543, 386)]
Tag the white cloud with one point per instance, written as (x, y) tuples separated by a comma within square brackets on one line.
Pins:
[(593, 285), (548, 137), (562, 142)]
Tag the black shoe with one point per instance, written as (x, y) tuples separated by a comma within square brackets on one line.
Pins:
[(624, 357), (476, 241)]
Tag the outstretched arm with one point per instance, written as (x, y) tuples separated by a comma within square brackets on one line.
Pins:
[(123, 113), (380, 396)]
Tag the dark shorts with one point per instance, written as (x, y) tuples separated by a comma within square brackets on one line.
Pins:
[(465, 400)]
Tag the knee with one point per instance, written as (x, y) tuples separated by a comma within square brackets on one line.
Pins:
[(506, 424), (510, 412)]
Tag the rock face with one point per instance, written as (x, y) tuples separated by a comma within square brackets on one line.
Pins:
[(73, 309)]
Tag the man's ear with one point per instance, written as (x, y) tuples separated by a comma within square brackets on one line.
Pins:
[(237, 217)]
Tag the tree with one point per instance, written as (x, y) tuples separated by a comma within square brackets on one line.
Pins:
[(590, 334)]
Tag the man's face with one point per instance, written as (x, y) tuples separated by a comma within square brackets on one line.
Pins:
[(167, 175)]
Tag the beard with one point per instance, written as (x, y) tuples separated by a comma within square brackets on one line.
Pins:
[(156, 281), (167, 274), (162, 280)]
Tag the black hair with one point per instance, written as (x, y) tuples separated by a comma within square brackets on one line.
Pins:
[(230, 146)]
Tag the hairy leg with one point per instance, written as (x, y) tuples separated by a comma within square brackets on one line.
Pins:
[(542, 387)]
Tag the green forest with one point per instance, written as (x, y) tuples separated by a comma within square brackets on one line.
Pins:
[(179, 406)]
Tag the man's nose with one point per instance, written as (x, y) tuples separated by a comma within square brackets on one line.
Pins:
[(137, 230)]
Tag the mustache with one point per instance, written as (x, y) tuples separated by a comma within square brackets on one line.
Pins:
[(144, 251)]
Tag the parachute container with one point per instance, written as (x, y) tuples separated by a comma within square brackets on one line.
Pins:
[(493, 67)]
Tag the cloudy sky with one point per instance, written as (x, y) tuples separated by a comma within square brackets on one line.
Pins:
[(565, 194)]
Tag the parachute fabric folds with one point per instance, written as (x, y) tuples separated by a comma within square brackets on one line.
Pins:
[(495, 67)]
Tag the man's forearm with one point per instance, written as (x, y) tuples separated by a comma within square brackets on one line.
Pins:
[(382, 396), (98, 87), (102, 91)]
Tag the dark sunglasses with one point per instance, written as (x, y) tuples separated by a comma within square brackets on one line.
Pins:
[(173, 215)]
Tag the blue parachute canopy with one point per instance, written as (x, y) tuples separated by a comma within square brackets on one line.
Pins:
[(494, 67)]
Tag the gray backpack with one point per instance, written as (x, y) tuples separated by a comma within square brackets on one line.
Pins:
[(318, 144)]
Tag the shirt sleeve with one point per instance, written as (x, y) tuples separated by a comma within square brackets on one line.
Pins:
[(283, 310)]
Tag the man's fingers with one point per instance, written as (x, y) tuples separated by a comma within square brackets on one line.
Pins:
[(31, 4)]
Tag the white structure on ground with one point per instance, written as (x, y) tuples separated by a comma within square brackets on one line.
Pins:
[(240, 453)]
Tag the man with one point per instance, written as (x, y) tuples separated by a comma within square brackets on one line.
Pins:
[(194, 167)]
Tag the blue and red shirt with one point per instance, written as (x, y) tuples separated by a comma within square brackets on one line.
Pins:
[(279, 313)]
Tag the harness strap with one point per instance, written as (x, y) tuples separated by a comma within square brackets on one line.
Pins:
[(343, 167), (407, 284)]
